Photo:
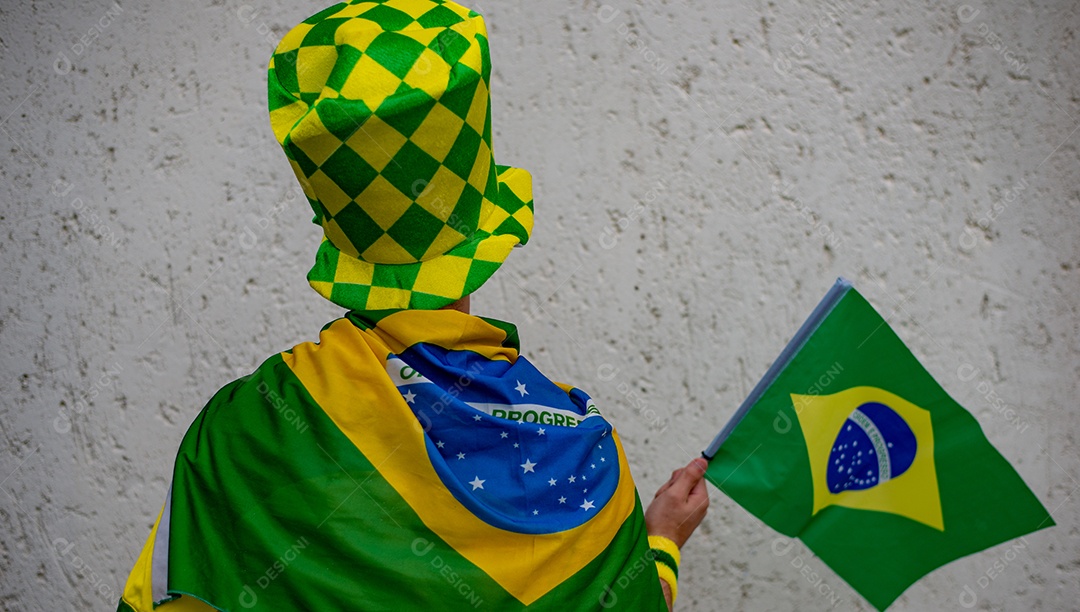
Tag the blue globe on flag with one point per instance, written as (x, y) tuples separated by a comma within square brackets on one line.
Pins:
[(874, 445)]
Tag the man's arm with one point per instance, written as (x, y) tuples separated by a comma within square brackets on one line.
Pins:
[(677, 509)]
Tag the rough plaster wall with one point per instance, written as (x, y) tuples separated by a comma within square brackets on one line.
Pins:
[(703, 172)]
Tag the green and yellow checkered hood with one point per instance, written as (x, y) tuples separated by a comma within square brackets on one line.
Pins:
[(384, 112)]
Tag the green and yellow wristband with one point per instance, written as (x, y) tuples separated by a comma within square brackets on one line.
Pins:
[(666, 555)]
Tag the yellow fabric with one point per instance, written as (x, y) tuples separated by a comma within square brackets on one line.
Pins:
[(666, 573), (914, 496), (666, 545), (138, 590), (346, 369)]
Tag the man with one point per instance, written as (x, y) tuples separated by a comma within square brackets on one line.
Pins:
[(412, 458)]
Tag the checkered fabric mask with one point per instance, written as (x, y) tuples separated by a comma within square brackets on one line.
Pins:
[(384, 113)]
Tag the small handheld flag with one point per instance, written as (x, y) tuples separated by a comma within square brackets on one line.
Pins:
[(850, 445)]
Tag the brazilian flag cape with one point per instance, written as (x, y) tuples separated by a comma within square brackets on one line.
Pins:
[(408, 460)]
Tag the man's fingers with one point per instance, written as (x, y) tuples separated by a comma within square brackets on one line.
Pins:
[(699, 494), (663, 487), (674, 477), (687, 479), (690, 477), (667, 485)]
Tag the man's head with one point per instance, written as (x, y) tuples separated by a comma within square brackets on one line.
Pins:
[(383, 110)]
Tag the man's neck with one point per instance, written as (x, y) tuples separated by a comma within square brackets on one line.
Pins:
[(461, 305)]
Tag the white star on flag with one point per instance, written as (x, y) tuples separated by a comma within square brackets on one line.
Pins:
[(562, 500), (503, 435), (552, 482), (572, 479), (528, 466), (540, 431), (593, 466), (520, 388), (461, 455), (602, 459), (476, 417), (588, 505), (535, 512), (410, 397), (440, 444), (477, 483), (515, 444)]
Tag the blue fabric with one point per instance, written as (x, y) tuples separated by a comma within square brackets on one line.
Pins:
[(530, 474)]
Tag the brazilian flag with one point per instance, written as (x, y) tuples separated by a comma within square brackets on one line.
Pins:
[(410, 460), (850, 445)]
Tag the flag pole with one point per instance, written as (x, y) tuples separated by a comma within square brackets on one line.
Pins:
[(824, 307)]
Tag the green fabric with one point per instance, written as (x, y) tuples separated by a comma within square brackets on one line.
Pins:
[(764, 464), (276, 511), (663, 557)]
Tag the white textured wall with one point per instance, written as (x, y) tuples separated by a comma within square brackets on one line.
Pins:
[(703, 172)]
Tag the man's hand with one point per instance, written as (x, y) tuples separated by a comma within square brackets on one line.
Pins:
[(680, 504)]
